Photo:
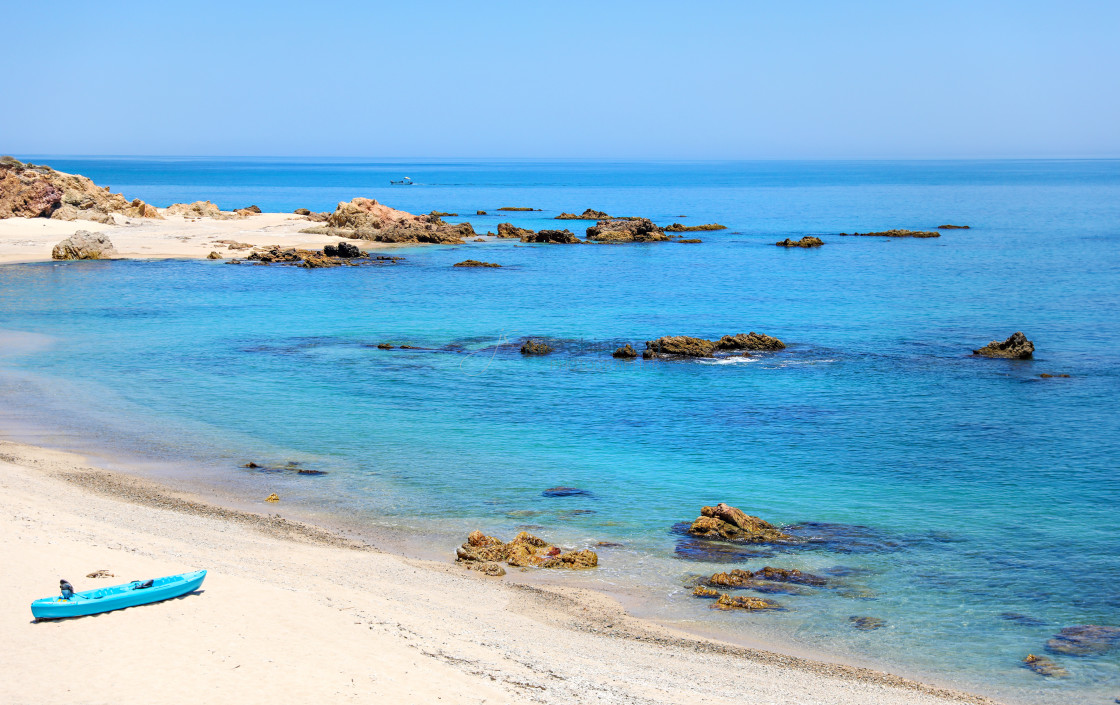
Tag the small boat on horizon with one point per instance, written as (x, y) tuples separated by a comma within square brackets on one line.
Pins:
[(406, 181), (138, 592)]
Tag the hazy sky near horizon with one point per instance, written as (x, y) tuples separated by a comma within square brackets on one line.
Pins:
[(671, 80)]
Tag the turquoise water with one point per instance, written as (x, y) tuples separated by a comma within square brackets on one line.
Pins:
[(982, 489)]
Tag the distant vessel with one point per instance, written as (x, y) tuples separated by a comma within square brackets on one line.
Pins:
[(406, 181)]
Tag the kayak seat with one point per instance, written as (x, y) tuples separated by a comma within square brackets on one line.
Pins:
[(141, 585)]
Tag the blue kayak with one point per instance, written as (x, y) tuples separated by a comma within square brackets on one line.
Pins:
[(117, 597)]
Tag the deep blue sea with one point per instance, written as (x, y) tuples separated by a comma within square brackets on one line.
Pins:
[(959, 491)]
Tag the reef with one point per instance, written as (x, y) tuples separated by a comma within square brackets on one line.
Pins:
[(679, 228), (626, 352), (475, 263), (533, 347), (683, 346), (895, 233), (953, 227), (807, 241), (1084, 640), (1044, 666), (738, 578)]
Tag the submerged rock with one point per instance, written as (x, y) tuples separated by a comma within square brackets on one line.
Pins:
[(626, 352), (1044, 666), (738, 578), (867, 624), (565, 492), (1025, 620), (807, 241), (628, 230), (679, 228), (895, 233), (1084, 640), (532, 347), (475, 263), (1017, 347), (731, 524), (524, 551), (740, 602), (84, 245)]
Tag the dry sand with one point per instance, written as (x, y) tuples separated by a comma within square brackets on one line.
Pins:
[(32, 239), (294, 614)]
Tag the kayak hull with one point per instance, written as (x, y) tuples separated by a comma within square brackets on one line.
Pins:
[(117, 597)]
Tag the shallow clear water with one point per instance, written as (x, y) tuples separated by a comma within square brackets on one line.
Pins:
[(984, 488)]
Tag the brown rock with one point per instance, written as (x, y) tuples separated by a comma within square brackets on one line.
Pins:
[(533, 347), (895, 233), (1044, 666), (214, 255), (731, 524), (370, 220), (1017, 347), (705, 592), (33, 191), (557, 237), (480, 212), (509, 230), (678, 346), (953, 227), (750, 341), (807, 241), (272, 498), (524, 551), (690, 240), (302, 211), (727, 602), (508, 208), (626, 352), (629, 230), (384, 346), (588, 214), (475, 263), (198, 209), (679, 228)]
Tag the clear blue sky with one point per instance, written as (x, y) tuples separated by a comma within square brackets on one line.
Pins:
[(676, 80)]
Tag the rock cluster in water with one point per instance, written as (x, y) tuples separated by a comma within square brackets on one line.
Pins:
[(1016, 347), (84, 245), (807, 241), (475, 263), (486, 553), (895, 233), (35, 191), (332, 255), (535, 347), (589, 214), (366, 219), (629, 230), (732, 524), (953, 227), (683, 346), (679, 228)]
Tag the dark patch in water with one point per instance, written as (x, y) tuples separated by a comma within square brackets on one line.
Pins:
[(565, 492), (845, 538), (1025, 620)]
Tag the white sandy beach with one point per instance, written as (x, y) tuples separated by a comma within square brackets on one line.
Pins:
[(31, 239), (294, 614)]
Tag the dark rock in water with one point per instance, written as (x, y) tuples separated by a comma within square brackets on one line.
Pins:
[(556, 237), (731, 524), (588, 214), (953, 227), (507, 208), (330, 250), (480, 212), (708, 551), (565, 492), (867, 624), (1025, 620), (1046, 375), (678, 228), (750, 341), (250, 464), (844, 538), (895, 233), (441, 214), (843, 571), (509, 230), (411, 347), (385, 346), (475, 263), (1084, 640), (690, 240), (727, 602), (309, 471), (532, 347), (609, 544), (1017, 347), (706, 592), (670, 346), (737, 578), (807, 241), (625, 353), (631, 230), (346, 250), (1045, 667)]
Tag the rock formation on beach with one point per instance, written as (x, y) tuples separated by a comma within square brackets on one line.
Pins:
[(895, 233), (731, 524), (206, 209), (629, 230), (807, 241), (679, 228), (1017, 347), (678, 346), (475, 263), (367, 219), (588, 214), (524, 551), (84, 245), (34, 191)]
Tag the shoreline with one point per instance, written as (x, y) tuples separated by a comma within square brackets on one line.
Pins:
[(564, 636)]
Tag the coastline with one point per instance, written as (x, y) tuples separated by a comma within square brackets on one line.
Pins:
[(292, 610)]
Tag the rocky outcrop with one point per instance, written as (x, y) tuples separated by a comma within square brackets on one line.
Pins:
[(1084, 640), (588, 214), (731, 524), (689, 240), (475, 263), (198, 209), (524, 551), (345, 250), (670, 346), (1017, 347), (533, 347), (556, 237), (679, 228), (35, 191), (807, 241), (626, 352), (895, 233), (630, 230), (343, 253), (727, 602), (738, 578), (750, 341), (953, 227), (214, 255), (369, 220), (514, 208), (84, 245), (302, 211), (509, 230), (480, 212), (1044, 666)]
